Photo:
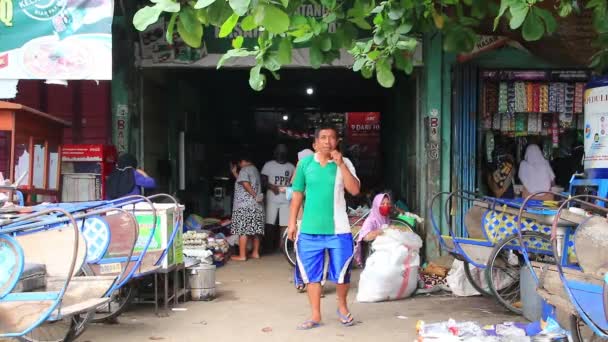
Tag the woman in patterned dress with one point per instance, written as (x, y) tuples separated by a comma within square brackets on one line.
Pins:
[(247, 211)]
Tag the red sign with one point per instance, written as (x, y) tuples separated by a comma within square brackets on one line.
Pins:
[(363, 137), (3, 61), (84, 153)]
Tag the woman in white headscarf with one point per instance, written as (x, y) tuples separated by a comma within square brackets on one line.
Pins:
[(535, 173)]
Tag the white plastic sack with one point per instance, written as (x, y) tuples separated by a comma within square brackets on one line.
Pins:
[(460, 285), (391, 272)]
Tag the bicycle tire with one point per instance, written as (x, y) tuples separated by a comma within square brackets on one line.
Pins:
[(289, 250), (127, 294), (500, 295)]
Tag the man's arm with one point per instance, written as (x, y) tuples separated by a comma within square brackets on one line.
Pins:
[(351, 183), (294, 209)]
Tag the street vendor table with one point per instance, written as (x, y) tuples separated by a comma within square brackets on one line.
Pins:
[(177, 271)]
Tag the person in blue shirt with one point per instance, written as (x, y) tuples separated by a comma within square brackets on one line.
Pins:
[(127, 179)]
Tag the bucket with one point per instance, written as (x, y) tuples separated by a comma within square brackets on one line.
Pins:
[(201, 282)]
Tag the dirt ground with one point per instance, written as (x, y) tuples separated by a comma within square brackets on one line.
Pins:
[(257, 302)]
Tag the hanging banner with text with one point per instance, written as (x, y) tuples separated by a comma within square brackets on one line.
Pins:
[(56, 39), (363, 138)]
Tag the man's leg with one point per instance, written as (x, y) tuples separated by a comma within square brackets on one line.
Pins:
[(342, 294), (340, 257), (272, 212), (314, 298), (310, 252)]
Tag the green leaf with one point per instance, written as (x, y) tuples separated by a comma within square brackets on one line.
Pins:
[(272, 62), (329, 3), (171, 28), (467, 21), (403, 62), (219, 12), (395, 13), (330, 18), (228, 25), (358, 64), (189, 28), (234, 54), (519, 13), (257, 80), (384, 74), (237, 42), (285, 3), (504, 4), (304, 38), (533, 28), (146, 17), (378, 19), (258, 14), (202, 16), (325, 43), (367, 72), (284, 51), (168, 6), (203, 3), (373, 55), (548, 19), (239, 7), (361, 23), (316, 56), (275, 20), (409, 45), (377, 9), (248, 24), (405, 28)]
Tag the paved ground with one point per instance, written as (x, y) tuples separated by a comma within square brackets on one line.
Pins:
[(257, 302)]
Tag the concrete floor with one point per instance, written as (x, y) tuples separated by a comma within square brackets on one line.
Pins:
[(257, 302)]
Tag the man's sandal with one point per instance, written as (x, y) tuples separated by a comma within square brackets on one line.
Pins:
[(347, 320), (309, 325)]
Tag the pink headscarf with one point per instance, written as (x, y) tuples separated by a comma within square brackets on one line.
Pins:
[(374, 221)]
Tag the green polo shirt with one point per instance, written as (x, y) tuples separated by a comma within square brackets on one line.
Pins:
[(325, 205)]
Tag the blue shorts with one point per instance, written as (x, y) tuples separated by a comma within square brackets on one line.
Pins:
[(311, 253)]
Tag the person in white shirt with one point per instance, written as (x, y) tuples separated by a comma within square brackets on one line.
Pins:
[(277, 174)]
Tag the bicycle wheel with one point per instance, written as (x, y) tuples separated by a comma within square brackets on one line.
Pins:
[(118, 303), (503, 270), (289, 250), (476, 280), (57, 331), (581, 332), (82, 320)]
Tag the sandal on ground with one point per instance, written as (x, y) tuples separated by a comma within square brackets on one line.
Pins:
[(308, 325), (347, 320), (301, 288)]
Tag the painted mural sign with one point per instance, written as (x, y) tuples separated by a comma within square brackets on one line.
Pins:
[(56, 39)]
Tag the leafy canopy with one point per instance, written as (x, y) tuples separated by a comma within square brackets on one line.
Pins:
[(379, 35)]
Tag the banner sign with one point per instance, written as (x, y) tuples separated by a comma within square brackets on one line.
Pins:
[(56, 39), (363, 138)]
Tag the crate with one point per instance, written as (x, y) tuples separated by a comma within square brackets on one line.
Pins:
[(165, 214)]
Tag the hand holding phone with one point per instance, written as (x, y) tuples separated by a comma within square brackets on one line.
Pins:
[(336, 156)]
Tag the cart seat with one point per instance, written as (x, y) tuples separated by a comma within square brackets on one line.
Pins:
[(32, 278)]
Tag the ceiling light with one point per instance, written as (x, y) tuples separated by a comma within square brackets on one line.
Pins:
[(310, 91), (285, 117)]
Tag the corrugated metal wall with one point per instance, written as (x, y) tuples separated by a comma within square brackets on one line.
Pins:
[(87, 104), (464, 146)]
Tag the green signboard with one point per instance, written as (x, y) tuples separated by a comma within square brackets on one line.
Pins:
[(56, 39)]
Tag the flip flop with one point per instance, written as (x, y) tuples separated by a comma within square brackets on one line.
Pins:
[(347, 321), (308, 325)]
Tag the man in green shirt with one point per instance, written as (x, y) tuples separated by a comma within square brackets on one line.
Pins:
[(323, 178)]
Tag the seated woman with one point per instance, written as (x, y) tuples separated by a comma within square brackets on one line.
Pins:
[(377, 220), (127, 179), (536, 174)]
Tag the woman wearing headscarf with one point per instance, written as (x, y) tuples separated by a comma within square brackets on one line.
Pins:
[(127, 179), (373, 225), (535, 173)]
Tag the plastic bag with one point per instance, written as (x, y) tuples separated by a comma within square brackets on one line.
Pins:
[(391, 272), (460, 285)]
